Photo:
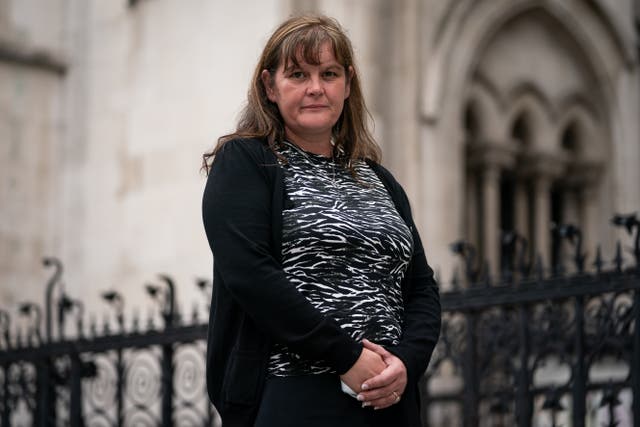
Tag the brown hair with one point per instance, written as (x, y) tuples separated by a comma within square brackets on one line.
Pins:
[(303, 36)]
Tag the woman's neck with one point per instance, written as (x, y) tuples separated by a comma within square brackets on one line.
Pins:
[(317, 145)]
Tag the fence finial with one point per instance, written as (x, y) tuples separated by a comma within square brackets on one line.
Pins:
[(630, 222), (468, 252), (574, 235), (53, 280), (29, 309)]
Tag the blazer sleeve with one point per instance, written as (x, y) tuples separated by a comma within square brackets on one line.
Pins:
[(422, 311), (237, 215)]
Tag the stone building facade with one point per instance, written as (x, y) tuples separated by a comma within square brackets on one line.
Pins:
[(494, 114)]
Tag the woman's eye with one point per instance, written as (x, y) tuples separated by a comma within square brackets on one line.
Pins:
[(297, 75), (330, 74)]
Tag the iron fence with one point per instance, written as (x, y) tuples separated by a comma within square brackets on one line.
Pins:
[(540, 348), (530, 349), (146, 376)]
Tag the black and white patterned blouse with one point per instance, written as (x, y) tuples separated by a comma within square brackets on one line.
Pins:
[(345, 248)]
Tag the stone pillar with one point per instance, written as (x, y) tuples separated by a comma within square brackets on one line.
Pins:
[(521, 206), (571, 209), (589, 219), (472, 210), (589, 177), (542, 218), (491, 217), (543, 168), (490, 159), (571, 214)]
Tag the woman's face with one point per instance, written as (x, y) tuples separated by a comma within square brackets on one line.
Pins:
[(310, 97)]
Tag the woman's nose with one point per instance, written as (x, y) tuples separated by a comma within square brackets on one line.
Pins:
[(315, 86)]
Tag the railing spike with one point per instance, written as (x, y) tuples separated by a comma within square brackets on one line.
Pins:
[(194, 313), (93, 328), (19, 339), (580, 259), (630, 222), (455, 280), (80, 327), (135, 321), (618, 258), (468, 252), (29, 340), (177, 316), (5, 326), (53, 280), (150, 324), (106, 330), (598, 262), (10, 340)]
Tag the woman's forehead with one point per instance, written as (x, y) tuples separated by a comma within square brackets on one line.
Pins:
[(312, 54)]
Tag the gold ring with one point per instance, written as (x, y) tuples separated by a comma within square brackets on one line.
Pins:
[(397, 396)]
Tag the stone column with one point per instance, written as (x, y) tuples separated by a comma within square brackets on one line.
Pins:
[(491, 217), (542, 218), (589, 177), (490, 159), (589, 219), (543, 168), (521, 206), (571, 212), (472, 210)]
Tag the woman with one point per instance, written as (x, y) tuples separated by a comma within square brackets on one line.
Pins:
[(324, 310)]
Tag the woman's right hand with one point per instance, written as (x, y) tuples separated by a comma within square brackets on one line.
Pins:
[(368, 365)]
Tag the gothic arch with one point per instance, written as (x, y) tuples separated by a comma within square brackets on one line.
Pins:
[(482, 100), (536, 108), (469, 25), (528, 180), (589, 138)]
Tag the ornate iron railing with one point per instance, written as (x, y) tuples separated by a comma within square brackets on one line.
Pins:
[(538, 349), (530, 349), (146, 376)]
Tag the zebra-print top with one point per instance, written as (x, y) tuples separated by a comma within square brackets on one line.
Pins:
[(345, 248)]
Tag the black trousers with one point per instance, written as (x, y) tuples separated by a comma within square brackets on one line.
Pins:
[(318, 401)]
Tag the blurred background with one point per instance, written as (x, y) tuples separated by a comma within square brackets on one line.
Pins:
[(501, 114), (494, 115)]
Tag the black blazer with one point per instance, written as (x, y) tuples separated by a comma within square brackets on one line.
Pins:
[(254, 305)]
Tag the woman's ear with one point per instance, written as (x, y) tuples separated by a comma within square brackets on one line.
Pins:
[(350, 74), (268, 84)]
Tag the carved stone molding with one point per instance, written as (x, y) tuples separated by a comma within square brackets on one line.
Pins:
[(488, 155), (537, 164), (583, 173)]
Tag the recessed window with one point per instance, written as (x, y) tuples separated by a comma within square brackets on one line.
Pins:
[(471, 124), (569, 139), (520, 131)]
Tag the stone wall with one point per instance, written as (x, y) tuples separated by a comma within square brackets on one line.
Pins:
[(106, 108)]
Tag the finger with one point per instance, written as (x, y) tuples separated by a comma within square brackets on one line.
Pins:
[(384, 378), (379, 393), (375, 347), (383, 402)]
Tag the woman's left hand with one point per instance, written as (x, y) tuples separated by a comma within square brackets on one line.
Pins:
[(386, 388)]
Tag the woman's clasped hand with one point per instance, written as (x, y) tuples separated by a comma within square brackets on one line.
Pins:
[(379, 376)]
